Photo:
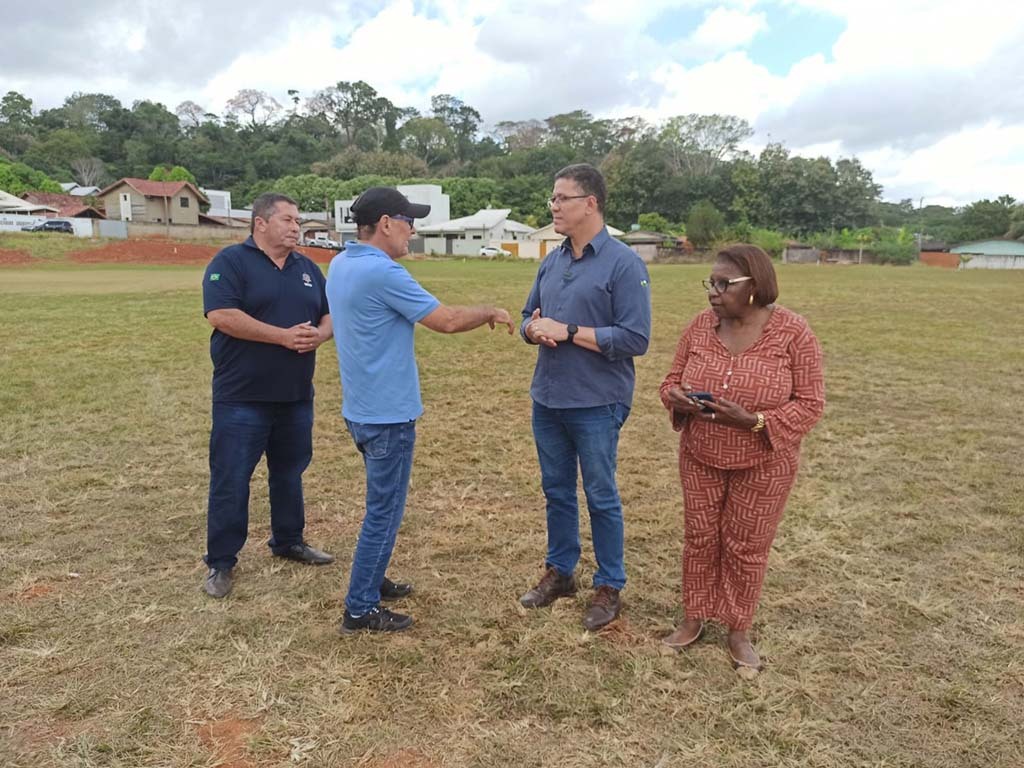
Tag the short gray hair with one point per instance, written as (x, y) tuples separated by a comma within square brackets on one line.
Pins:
[(263, 206)]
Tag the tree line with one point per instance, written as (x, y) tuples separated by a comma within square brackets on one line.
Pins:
[(688, 173)]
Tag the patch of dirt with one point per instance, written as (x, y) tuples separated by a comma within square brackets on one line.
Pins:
[(37, 590), (14, 258), (621, 632), (154, 250), (33, 737), (149, 251), (226, 740), (404, 758)]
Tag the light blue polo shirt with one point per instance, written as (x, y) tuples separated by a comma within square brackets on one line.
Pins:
[(375, 305)]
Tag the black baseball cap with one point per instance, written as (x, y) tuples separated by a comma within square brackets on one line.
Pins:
[(385, 201)]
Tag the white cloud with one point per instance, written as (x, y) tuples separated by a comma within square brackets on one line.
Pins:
[(909, 86), (723, 30)]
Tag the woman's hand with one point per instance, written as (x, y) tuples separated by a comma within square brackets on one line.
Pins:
[(729, 414), (679, 401)]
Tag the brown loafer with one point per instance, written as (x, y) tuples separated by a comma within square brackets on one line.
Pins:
[(604, 608), (552, 586), (679, 639)]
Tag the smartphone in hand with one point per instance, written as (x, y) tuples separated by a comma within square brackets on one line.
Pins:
[(698, 396)]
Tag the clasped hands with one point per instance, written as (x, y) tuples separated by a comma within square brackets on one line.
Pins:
[(545, 330), (302, 338), (722, 411)]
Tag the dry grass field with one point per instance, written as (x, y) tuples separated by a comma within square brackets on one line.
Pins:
[(892, 622)]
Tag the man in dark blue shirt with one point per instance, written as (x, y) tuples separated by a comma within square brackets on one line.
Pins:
[(268, 306), (590, 312)]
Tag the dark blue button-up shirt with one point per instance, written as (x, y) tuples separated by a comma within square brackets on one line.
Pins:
[(607, 289)]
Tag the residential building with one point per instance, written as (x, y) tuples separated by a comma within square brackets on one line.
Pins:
[(425, 194), (68, 206), (153, 202), (549, 239), (996, 253), (465, 236)]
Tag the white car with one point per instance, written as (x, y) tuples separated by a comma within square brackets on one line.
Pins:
[(489, 251)]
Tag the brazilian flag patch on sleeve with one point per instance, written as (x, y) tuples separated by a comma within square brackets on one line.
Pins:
[(214, 277)]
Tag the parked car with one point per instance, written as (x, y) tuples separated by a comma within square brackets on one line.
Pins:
[(322, 242), (490, 251), (50, 225)]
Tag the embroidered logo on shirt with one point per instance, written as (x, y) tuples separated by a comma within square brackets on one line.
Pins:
[(215, 277), (307, 280), (643, 283)]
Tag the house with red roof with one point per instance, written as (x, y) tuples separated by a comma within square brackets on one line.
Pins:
[(153, 202), (68, 206)]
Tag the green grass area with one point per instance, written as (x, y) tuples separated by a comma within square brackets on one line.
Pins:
[(47, 245), (891, 621)]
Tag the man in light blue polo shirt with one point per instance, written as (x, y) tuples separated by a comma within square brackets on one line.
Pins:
[(375, 305), (590, 312)]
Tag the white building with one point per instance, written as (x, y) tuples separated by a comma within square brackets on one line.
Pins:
[(425, 194), (465, 236), (547, 239)]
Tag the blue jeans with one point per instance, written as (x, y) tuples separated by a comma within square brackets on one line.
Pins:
[(588, 438), (387, 455), (241, 434)]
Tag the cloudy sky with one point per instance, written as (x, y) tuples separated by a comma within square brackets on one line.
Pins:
[(929, 94)]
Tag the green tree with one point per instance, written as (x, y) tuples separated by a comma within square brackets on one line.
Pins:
[(462, 120), (172, 173), (352, 162), (985, 218), (428, 139), (18, 178), (696, 144), (654, 222), (705, 224)]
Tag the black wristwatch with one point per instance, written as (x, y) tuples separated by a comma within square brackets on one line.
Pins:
[(572, 329)]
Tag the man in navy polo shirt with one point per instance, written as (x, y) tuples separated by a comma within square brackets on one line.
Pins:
[(590, 312), (268, 307), (376, 304)]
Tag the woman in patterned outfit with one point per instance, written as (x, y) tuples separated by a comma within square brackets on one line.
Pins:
[(738, 456)]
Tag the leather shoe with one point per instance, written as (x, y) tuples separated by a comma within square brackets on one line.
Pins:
[(218, 582), (604, 608), (390, 590), (552, 586), (376, 620), (303, 553)]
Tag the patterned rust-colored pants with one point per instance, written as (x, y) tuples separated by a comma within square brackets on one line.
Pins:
[(730, 518)]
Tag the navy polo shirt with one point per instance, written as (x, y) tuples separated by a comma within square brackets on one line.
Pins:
[(606, 289), (244, 277)]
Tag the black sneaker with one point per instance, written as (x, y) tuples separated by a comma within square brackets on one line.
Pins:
[(377, 620), (390, 590)]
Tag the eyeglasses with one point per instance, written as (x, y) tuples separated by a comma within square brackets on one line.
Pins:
[(721, 286), (406, 219), (557, 201)]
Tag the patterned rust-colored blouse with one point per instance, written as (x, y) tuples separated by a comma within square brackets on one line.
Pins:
[(780, 375)]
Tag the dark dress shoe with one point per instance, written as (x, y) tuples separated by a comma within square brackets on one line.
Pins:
[(391, 590), (552, 586), (377, 620), (303, 553), (218, 582), (604, 608)]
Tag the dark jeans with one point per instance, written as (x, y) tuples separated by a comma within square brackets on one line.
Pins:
[(241, 434), (587, 438), (387, 454)]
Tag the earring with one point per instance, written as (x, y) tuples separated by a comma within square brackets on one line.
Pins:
[(750, 301)]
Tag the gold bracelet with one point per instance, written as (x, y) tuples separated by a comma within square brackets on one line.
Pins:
[(760, 422)]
